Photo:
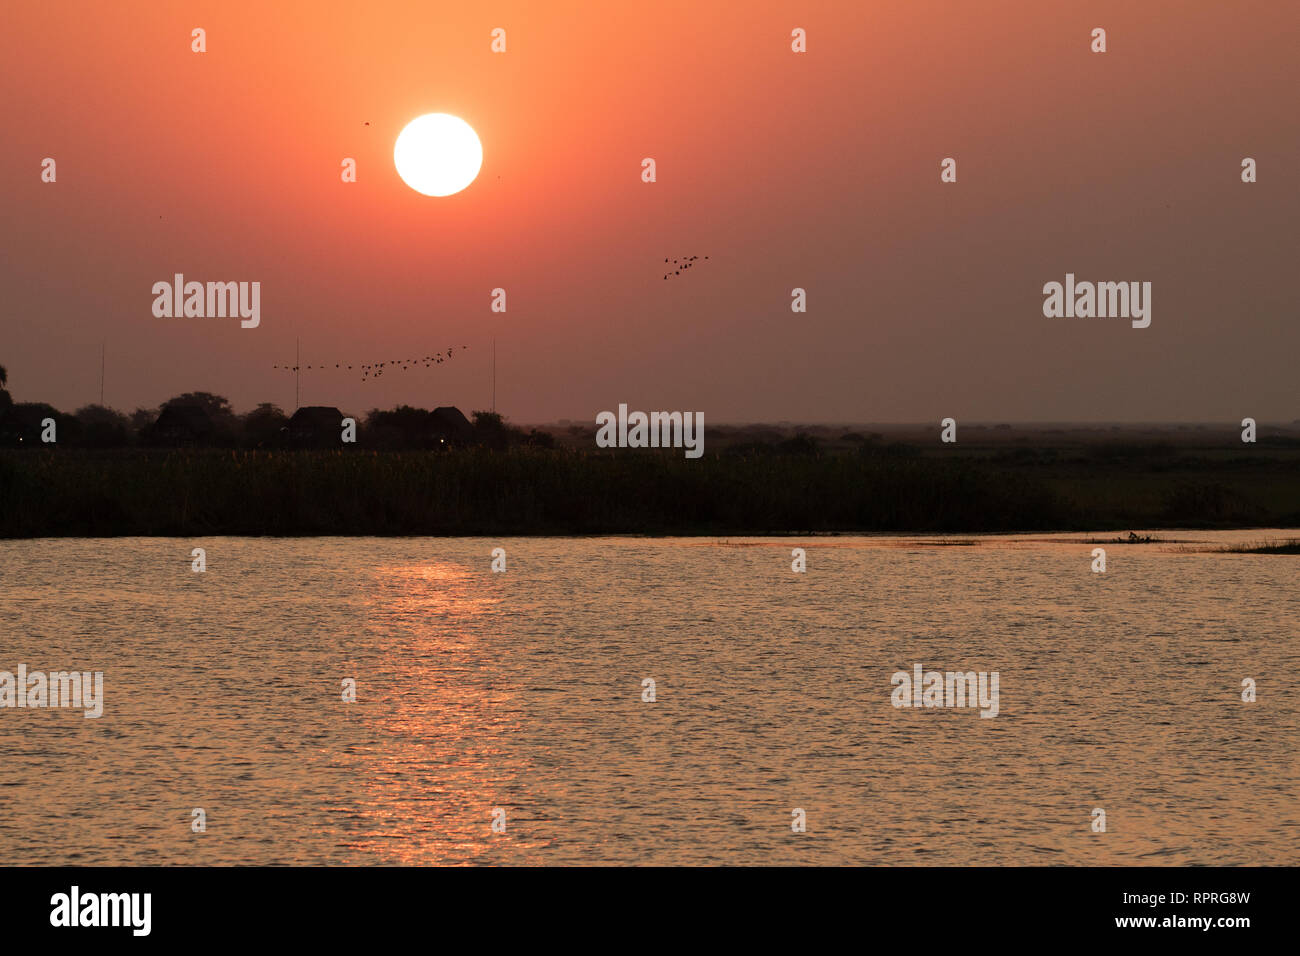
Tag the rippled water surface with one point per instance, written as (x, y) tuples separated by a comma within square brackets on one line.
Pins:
[(523, 691)]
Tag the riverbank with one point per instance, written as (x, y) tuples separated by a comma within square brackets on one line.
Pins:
[(527, 491)]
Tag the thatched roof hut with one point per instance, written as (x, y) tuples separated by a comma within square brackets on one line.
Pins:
[(315, 425), (449, 426)]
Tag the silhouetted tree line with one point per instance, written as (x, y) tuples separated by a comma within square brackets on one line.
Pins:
[(202, 419)]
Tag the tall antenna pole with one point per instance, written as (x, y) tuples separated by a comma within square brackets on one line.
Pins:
[(101, 374), (494, 373), (297, 374)]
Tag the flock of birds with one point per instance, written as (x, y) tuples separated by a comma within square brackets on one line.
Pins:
[(681, 264), (376, 369)]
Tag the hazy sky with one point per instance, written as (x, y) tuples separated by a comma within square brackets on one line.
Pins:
[(816, 170)]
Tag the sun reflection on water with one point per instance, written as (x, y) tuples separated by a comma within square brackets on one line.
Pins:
[(434, 724)]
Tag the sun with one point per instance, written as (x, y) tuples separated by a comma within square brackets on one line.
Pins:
[(438, 154)]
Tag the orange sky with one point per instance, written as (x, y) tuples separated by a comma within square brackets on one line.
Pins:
[(818, 170)]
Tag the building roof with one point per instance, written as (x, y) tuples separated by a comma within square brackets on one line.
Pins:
[(449, 418), (316, 416)]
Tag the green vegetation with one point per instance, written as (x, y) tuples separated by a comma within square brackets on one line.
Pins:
[(1289, 546), (526, 489), (194, 466)]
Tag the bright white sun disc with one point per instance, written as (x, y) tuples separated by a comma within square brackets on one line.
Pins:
[(438, 154)]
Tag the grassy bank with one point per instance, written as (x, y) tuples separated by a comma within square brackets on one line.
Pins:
[(538, 491), (1289, 546)]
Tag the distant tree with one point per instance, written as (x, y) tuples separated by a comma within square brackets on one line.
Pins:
[(216, 406), (103, 427), (224, 423), (262, 426), (400, 427), (23, 424), (488, 422), (5, 400), (490, 429), (143, 418), (36, 410)]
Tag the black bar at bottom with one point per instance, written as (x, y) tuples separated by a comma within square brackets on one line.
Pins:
[(645, 906)]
